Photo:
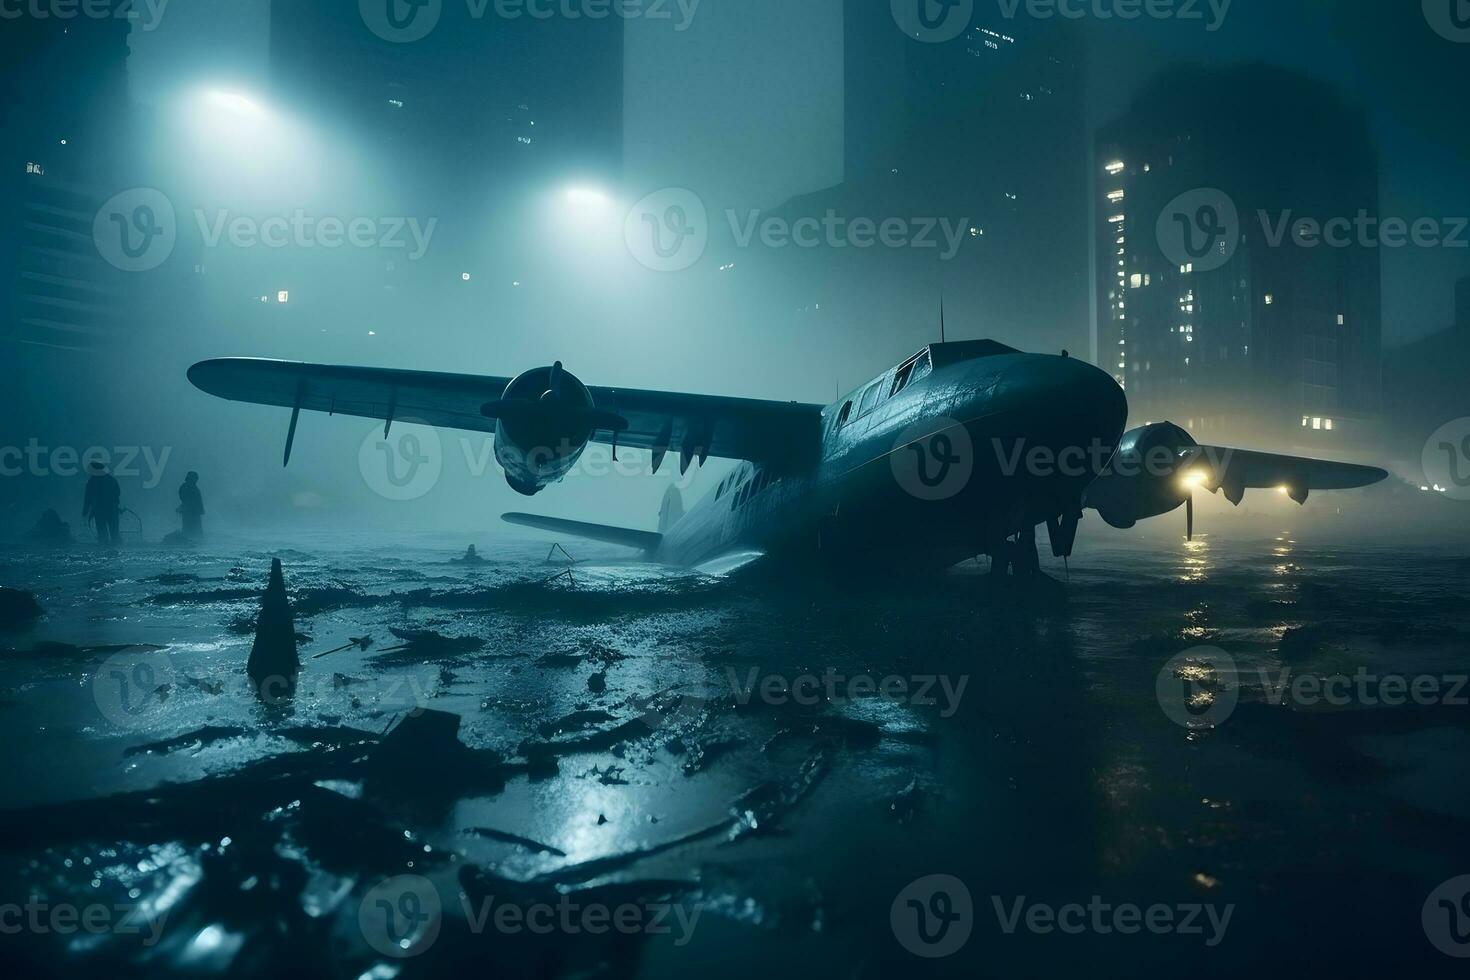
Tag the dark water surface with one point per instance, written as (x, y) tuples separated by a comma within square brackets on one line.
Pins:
[(622, 798)]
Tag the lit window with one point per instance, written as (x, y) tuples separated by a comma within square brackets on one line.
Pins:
[(1327, 424), (1115, 196), (1305, 421), (1115, 219), (1116, 167), (1341, 319), (1270, 299), (1135, 280), (1316, 423)]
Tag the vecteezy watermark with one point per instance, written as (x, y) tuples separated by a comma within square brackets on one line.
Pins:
[(39, 917), (836, 231), (933, 916), (1364, 230), (136, 229), (405, 21), (668, 230), (829, 687), (35, 459), (1211, 13), (1102, 918), (1199, 230), (1449, 18), (1446, 917), (570, 917), (410, 235), (1198, 688), (1446, 460), (401, 917), (146, 14), (130, 688), (932, 460), (932, 21), (403, 461)]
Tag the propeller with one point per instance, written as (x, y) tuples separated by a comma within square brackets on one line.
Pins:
[(1189, 516)]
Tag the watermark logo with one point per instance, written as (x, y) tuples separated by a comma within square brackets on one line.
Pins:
[(836, 231), (1199, 229), (406, 234), (668, 230), (932, 21), (146, 14), (1211, 13), (933, 460), (1364, 230), (66, 462), (1446, 917), (41, 918), (1198, 688), (1446, 460), (405, 464), (1104, 918), (941, 691), (1449, 18), (401, 21), (933, 916), (400, 916), (130, 689), (136, 230)]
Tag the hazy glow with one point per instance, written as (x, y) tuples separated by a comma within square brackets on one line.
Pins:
[(587, 197), (234, 102), (1192, 479)]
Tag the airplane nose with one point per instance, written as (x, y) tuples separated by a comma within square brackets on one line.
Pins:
[(1071, 402)]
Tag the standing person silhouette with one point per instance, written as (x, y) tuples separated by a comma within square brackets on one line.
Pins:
[(191, 506), (103, 503)]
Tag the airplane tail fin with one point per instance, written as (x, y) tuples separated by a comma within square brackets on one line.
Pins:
[(643, 540), (671, 511)]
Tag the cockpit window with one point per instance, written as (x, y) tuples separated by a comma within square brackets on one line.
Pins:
[(910, 372), (870, 398), (843, 415)]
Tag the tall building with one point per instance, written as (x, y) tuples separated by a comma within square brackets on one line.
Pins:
[(64, 127), (1284, 340), (982, 131)]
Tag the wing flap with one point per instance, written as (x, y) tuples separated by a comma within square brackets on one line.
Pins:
[(643, 540)]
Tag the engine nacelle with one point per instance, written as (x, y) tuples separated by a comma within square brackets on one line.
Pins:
[(1151, 474), (543, 422)]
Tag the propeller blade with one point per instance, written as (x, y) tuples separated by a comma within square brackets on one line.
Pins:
[(1189, 517)]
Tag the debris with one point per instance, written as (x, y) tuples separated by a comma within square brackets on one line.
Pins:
[(597, 683), (519, 841), (274, 663), (18, 609), (361, 642), (429, 643)]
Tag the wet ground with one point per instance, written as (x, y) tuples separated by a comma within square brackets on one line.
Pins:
[(675, 774)]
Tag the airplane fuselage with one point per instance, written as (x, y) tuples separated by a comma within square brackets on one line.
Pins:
[(938, 460)]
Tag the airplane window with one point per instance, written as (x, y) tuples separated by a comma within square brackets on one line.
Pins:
[(870, 398), (922, 367), (842, 415), (901, 379)]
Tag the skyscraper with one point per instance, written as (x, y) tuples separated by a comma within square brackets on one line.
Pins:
[(1275, 331)]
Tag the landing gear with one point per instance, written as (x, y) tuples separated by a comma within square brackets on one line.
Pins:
[(1017, 557)]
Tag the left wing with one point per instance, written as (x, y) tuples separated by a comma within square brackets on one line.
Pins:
[(695, 426)]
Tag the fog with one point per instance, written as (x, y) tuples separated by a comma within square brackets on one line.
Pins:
[(489, 170)]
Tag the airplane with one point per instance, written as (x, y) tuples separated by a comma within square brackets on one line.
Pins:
[(963, 449)]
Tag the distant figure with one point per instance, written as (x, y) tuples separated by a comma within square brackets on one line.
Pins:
[(191, 506), (50, 529), (103, 504), (471, 557)]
